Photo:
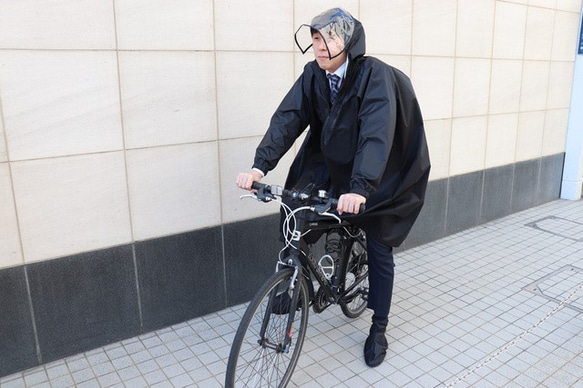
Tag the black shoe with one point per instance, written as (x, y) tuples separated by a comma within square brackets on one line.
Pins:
[(281, 304), (375, 346)]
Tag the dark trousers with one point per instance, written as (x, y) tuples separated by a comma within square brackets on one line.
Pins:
[(381, 274)]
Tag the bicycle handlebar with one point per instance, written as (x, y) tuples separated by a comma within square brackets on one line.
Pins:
[(267, 192)]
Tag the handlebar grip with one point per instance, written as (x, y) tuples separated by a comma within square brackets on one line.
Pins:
[(361, 209), (257, 185)]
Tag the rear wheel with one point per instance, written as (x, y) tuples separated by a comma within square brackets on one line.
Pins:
[(356, 282), (264, 353)]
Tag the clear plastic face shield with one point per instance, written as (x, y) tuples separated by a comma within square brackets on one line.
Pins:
[(333, 28)]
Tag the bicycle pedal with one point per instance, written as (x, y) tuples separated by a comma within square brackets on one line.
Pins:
[(364, 295)]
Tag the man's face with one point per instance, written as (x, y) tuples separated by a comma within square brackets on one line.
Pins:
[(333, 43)]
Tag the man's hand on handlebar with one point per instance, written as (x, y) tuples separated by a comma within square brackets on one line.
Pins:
[(350, 203), (246, 179)]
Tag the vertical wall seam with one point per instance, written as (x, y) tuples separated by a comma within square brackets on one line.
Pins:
[(139, 299), (293, 47), (539, 188), (451, 121), (125, 161), (523, 60), (122, 121), (550, 61), (32, 317), (11, 178), (491, 59), (217, 117), (411, 41)]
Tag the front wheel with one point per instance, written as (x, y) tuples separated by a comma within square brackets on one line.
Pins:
[(270, 336), (356, 282)]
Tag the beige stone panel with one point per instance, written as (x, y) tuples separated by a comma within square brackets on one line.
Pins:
[(472, 86), (555, 131), (509, 30), (542, 3), (538, 43), (250, 86), (535, 78), (265, 25), (401, 62), (168, 97), (433, 81), (530, 135), (565, 37), (468, 144), (173, 189), (475, 20), (164, 25), (64, 24), (434, 26), (438, 133), (505, 86), (237, 156), (560, 84), (300, 61), (3, 150), (501, 140), (71, 204), (59, 103), (10, 252), (569, 5), (388, 25)]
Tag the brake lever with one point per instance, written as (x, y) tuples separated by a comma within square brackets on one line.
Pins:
[(263, 195), (323, 208), (335, 216)]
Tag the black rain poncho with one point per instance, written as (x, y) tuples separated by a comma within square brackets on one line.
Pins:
[(371, 141)]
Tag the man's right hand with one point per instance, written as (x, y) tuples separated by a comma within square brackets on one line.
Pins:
[(246, 179)]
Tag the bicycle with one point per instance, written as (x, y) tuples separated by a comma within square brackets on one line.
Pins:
[(268, 342)]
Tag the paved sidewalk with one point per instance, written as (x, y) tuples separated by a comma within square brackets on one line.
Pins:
[(482, 308)]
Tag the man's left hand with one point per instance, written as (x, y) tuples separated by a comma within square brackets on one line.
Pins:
[(350, 203)]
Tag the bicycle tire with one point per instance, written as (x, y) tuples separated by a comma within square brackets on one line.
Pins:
[(356, 275), (254, 362)]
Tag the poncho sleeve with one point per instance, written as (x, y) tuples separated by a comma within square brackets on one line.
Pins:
[(286, 125)]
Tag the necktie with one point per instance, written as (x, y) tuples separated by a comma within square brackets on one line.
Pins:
[(334, 86)]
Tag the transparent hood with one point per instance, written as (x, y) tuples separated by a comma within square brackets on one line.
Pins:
[(335, 27)]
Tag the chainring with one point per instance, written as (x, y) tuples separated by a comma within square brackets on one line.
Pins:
[(320, 301)]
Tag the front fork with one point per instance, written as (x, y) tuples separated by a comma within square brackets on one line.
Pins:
[(294, 262)]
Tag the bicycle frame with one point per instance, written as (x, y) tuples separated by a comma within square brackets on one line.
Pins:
[(304, 263), (308, 261), (300, 259)]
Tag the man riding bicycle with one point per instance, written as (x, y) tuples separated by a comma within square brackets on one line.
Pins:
[(366, 144)]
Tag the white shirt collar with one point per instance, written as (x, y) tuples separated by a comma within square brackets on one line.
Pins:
[(341, 71)]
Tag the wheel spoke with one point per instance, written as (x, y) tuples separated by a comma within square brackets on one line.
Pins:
[(354, 301), (259, 360)]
